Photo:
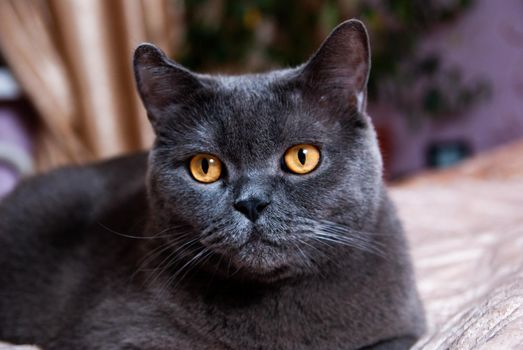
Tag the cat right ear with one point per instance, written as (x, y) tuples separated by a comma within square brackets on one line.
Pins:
[(161, 82), (339, 70)]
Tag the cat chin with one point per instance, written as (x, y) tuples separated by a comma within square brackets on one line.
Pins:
[(262, 273), (260, 258), (273, 276), (256, 260), (263, 261), (255, 254)]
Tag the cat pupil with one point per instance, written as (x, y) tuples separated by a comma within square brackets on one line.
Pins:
[(301, 156), (205, 165)]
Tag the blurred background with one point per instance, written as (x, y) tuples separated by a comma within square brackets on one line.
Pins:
[(446, 81)]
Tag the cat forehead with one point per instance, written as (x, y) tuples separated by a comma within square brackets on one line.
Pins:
[(261, 106), (266, 90), (247, 117), (252, 82), (247, 101)]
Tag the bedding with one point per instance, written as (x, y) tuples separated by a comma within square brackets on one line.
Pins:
[(465, 227)]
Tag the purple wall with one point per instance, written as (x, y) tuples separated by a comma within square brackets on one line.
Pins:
[(486, 42)]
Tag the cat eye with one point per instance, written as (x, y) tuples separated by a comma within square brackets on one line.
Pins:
[(205, 168), (302, 159)]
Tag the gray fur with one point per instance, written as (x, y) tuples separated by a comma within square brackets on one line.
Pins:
[(136, 254)]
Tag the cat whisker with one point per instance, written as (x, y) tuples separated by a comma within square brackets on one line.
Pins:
[(229, 265), (161, 248), (155, 236), (304, 259), (321, 253), (238, 269), (201, 260), (343, 229), (360, 245), (188, 266), (156, 252), (214, 271), (335, 233), (170, 260)]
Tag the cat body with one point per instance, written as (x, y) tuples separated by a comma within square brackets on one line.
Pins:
[(144, 252)]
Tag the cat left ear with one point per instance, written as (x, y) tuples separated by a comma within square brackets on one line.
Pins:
[(341, 66), (161, 82)]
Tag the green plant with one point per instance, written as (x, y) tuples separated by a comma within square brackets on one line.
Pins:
[(236, 36)]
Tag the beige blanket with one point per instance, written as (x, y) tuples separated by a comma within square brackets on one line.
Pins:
[(465, 227), (466, 232)]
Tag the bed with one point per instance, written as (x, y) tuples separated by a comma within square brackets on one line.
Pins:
[(465, 227)]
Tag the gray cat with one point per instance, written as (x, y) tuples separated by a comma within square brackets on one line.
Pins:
[(259, 220)]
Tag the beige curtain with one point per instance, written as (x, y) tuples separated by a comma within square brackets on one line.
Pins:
[(73, 59)]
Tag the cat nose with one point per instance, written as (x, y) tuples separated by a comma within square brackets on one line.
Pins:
[(251, 207)]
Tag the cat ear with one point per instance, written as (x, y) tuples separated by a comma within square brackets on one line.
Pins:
[(341, 66), (162, 83)]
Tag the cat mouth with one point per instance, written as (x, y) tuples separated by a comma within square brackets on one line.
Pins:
[(260, 256), (276, 274), (257, 237)]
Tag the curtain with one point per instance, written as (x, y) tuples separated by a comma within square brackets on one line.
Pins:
[(73, 59)]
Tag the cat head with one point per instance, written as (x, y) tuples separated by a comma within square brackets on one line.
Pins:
[(273, 173)]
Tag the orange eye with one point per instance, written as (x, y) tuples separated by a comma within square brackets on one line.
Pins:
[(302, 159), (205, 168)]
